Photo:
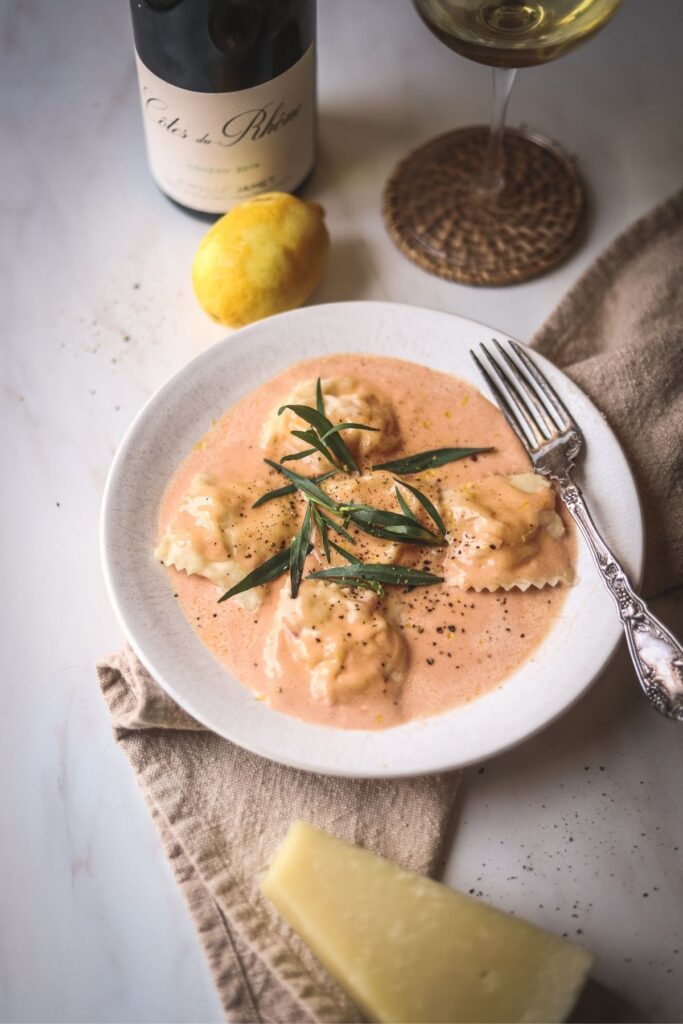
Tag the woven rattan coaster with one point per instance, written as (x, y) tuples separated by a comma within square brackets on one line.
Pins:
[(436, 219)]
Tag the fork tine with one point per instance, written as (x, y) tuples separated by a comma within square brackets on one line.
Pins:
[(553, 403), (516, 398), (526, 393), (516, 419)]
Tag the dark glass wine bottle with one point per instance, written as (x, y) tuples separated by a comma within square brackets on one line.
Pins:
[(228, 96)]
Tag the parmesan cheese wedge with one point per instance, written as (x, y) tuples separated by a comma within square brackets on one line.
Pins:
[(408, 949)]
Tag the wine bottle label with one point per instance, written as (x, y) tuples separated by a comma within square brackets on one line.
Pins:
[(209, 150)]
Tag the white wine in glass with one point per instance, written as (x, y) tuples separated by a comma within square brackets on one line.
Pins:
[(514, 35), (494, 206)]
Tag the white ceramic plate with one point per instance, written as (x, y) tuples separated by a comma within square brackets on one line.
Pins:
[(182, 410)]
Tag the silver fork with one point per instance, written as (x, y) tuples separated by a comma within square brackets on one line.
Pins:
[(553, 441)]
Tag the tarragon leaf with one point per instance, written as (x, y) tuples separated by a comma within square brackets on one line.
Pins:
[(323, 528), (398, 575), (348, 426), (280, 492), (429, 507), (360, 584), (295, 456), (305, 484), (312, 438), (405, 507), (345, 554), (429, 460), (337, 527), (319, 400), (264, 573), (298, 551)]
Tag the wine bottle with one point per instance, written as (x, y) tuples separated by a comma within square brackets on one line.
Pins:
[(228, 96)]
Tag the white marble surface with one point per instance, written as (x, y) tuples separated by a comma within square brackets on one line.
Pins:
[(97, 311)]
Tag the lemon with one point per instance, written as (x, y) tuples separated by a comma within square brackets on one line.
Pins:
[(263, 257)]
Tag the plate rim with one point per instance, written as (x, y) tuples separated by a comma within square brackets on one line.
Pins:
[(347, 771)]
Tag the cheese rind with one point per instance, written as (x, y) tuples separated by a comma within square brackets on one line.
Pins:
[(408, 949)]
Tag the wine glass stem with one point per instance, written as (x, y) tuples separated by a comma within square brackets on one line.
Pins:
[(492, 176)]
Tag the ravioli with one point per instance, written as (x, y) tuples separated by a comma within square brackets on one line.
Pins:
[(216, 534), (347, 400), (504, 532), (342, 639)]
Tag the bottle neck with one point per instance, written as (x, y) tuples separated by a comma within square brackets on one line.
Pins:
[(221, 45)]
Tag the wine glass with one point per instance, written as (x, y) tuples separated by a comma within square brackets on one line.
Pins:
[(494, 206)]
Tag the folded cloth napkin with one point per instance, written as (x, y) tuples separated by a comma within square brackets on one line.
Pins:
[(619, 335), (221, 811)]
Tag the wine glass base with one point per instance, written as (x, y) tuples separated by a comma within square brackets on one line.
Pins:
[(437, 219)]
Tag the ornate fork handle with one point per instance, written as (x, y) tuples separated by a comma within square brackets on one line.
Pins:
[(656, 654)]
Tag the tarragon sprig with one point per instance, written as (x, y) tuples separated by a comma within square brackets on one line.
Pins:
[(325, 438), (392, 526), (377, 522)]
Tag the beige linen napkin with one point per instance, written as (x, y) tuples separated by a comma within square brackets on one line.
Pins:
[(221, 811), (619, 335)]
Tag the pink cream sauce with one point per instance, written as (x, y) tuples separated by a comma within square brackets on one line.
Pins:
[(460, 643)]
